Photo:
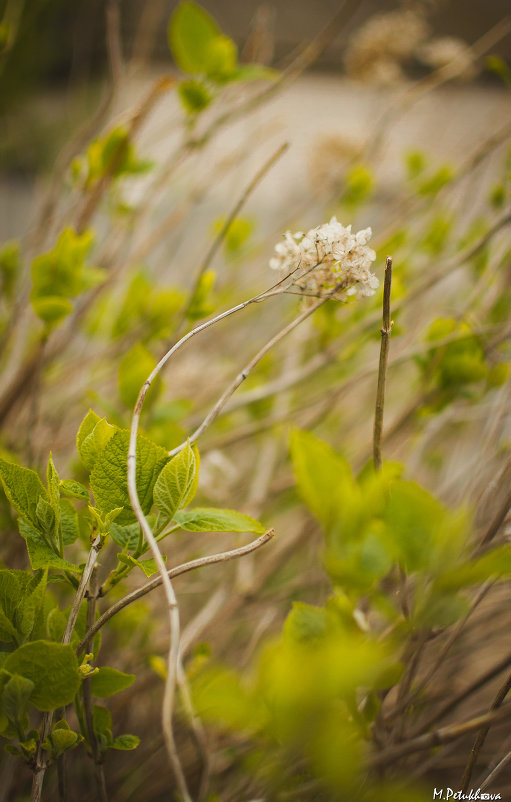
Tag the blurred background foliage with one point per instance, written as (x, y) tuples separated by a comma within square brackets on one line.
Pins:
[(131, 212)]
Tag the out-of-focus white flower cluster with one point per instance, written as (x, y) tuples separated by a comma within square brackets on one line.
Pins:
[(326, 257), (379, 48), (385, 43)]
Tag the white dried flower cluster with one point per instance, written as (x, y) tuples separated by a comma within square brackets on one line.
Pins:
[(383, 44), (325, 257)]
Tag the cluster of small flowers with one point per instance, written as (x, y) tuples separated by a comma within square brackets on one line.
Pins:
[(326, 257)]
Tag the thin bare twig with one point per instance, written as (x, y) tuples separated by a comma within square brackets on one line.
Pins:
[(382, 367), (174, 648), (210, 559), (82, 587), (443, 652), (439, 737), (173, 609), (99, 774), (483, 732), (462, 695), (495, 524), (238, 206), (495, 772), (40, 765), (240, 378)]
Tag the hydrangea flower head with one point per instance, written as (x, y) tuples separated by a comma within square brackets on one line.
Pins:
[(326, 257)]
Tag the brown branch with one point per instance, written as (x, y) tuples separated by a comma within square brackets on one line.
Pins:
[(466, 693), (438, 737), (211, 559), (483, 732), (382, 368), (99, 774)]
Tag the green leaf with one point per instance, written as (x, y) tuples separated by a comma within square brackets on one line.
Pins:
[(125, 742), (412, 516), (53, 490), (325, 482), (62, 739), (41, 555), (102, 724), (74, 489), (191, 33), (109, 681), (103, 521), (30, 609), (102, 719), (52, 667), (306, 622), (13, 585), (10, 267), (433, 183), (125, 536), (212, 520), (109, 475), (8, 631), (86, 427), (23, 488), (69, 522), (93, 444), (149, 566), (254, 72), (56, 624), (52, 309), (46, 518), (222, 59), (194, 96), (57, 275), (177, 483), (92, 277), (15, 699), (113, 155)]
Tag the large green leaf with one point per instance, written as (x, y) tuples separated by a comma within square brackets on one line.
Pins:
[(86, 427), (30, 610), (58, 273), (125, 536), (23, 488), (15, 698), (109, 681), (93, 444), (177, 483), (22, 604), (125, 743), (68, 522), (109, 475), (208, 519), (74, 489), (40, 553), (326, 484), (191, 34), (412, 518), (52, 667)]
